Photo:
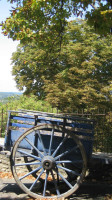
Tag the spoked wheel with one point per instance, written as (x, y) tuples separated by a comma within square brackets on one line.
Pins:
[(55, 165)]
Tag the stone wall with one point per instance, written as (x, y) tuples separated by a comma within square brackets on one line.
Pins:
[(4, 163), (6, 167)]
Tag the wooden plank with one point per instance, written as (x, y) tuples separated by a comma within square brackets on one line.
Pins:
[(21, 125), (55, 115), (72, 124), (24, 119), (101, 158)]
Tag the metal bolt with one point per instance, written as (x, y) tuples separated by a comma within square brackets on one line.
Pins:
[(47, 164)]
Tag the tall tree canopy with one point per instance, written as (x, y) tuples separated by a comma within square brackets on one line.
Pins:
[(79, 76), (69, 63), (46, 19)]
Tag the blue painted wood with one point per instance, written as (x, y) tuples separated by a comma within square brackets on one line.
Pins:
[(80, 125), (87, 142), (24, 119), (21, 125), (15, 134), (60, 123), (46, 141), (22, 116)]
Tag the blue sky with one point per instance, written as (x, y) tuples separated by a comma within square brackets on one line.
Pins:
[(7, 47)]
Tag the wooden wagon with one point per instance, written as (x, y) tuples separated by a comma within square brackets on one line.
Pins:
[(49, 153)]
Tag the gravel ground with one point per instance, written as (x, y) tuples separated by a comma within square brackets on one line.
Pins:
[(88, 190), (98, 186)]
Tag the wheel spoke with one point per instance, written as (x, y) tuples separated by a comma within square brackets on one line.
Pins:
[(55, 183), (40, 138), (65, 153), (41, 155), (35, 170), (24, 152), (68, 170), (37, 179), (59, 146), (69, 161), (69, 184), (23, 164), (45, 184), (51, 140)]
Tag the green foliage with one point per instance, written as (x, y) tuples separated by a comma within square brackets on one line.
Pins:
[(39, 20), (103, 131), (30, 102), (65, 62), (32, 65), (46, 20), (79, 76), (28, 68), (85, 77)]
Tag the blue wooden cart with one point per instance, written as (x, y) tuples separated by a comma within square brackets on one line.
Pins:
[(49, 152)]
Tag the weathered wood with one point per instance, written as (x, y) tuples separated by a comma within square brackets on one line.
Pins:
[(102, 157)]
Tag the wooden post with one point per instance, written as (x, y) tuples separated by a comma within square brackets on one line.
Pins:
[(57, 110), (64, 124)]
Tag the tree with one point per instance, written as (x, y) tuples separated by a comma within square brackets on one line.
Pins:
[(66, 66), (28, 68), (79, 76), (86, 80), (30, 64), (46, 20)]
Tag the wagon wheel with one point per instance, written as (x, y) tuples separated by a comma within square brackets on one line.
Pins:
[(53, 157)]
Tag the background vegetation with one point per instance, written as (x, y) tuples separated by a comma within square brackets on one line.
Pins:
[(21, 102), (30, 102)]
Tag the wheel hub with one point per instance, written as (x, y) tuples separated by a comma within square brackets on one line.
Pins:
[(48, 162)]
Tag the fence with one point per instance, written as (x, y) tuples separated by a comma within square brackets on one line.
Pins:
[(103, 128)]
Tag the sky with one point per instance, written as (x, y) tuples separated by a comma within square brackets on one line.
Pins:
[(7, 47)]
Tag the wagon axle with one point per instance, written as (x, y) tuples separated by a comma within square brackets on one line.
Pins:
[(48, 162)]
